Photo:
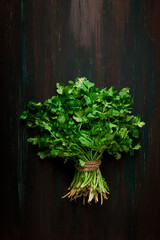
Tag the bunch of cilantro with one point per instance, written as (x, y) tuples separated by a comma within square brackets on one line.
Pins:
[(79, 124)]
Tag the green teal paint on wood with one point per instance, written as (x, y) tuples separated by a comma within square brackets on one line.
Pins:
[(22, 99), (24, 50)]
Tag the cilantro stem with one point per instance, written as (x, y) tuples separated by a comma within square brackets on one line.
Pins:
[(91, 155)]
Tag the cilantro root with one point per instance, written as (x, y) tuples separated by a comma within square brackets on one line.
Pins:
[(88, 185)]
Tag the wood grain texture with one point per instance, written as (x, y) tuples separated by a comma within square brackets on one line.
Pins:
[(111, 43)]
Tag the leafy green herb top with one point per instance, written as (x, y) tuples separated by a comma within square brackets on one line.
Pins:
[(82, 121)]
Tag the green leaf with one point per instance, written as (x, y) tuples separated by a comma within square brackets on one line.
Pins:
[(111, 91), (125, 148), (86, 142), (48, 102), (87, 99), (115, 113), (61, 118), (78, 116), (88, 84), (138, 146), (44, 154), (78, 119), (123, 132), (34, 105), (55, 152), (124, 93), (129, 118), (46, 126), (118, 156), (71, 82), (24, 114), (112, 125), (109, 136), (141, 124), (79, 83), (60, 88), (34, 140), (82, 162)]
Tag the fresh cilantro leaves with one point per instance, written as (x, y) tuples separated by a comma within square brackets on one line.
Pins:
[(91, 118)]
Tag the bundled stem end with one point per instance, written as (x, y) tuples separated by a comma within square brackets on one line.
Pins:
[(88, 185)]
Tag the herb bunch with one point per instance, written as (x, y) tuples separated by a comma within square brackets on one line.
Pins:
[(79, 124)]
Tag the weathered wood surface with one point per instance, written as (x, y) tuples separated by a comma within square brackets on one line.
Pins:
[(111, 42)]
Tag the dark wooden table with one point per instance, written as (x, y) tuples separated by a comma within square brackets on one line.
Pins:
[(111, 43)]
